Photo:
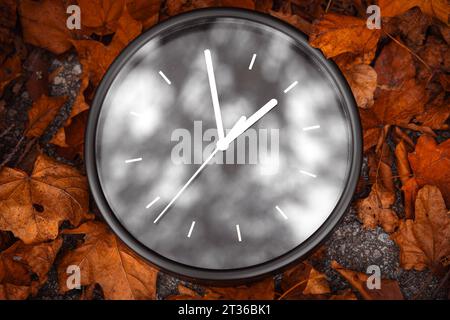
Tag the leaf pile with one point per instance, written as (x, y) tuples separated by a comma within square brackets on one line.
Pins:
[(399, 75)]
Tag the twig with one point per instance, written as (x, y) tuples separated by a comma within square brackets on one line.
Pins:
[(7, 130), (12, 153), (328, 5), (410, 51), (27, 149)]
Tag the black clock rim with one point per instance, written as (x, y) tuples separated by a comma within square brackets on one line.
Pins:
[(226, 276)]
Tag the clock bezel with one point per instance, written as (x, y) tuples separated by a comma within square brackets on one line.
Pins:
[(229, 275)]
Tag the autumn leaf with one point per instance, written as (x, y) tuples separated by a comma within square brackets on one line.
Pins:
[(42, 113), (425, 241), (105, 260), (96, 57), (145, 11), (9, 71), (435, 8), (101, 16), (363, 82), (336, 34), (303, 282), (376, 209), (44, 24), (430, 163), (33, 207), (389, 289), (24, 268), (261, 290), (436, 113), (70, 139)]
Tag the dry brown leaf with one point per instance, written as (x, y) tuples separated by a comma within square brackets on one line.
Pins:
[(376, 209), (439, 9), (101, 16), (33, 207), (363, 82), (70, 139), (430, 163), (410, 189), (336, 34), (261, 290), (425, 241), (96, 57), (9, 71), (403, 168), (24, 268), (390, 290), (436, 113), (303, 282), (105, 260), (294, 20), (394, 66), (145, 11), (399, 106), (346, 294), (42, 113), (44, 24)]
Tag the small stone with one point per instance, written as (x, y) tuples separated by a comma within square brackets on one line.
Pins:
[(76, 69)]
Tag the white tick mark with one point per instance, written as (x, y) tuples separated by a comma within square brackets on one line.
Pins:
[(164, 77), (281, 212), (153, 202), (190, 229), (293, 84), (238, 230), (133, 160), (308, 173), (311, 128), (252, 62)]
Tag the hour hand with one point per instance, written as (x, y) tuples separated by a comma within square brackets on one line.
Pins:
[(214, 95)]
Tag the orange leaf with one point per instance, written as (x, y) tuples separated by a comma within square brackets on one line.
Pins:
[(24, 268), (44, 24), (303, 281), (430, 163), (145, 11), (105, 260), (363, 82), (101, 15), (436, 8), (336, 34), (33, 207), (389, 289), (42, 113), (10, 70), (261, 290), (425, 241)]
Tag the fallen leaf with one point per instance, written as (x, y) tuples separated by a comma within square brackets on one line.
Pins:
[(44, 24), (363, 82), (436, 113), (376, 209), (394, 66), (403, 168), (261, 290), (424, 241), (70, 139), (294, 20), (389, 289), (346, 294), (430, 163), (435, 8), (303, 282), (105, 260), (410, 189), (9, 71), (24, 268), (336, 34), (42, 113), (33, 207), (101, 16), (145, 11), (95, 57)]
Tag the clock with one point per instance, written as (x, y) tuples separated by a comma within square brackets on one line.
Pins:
[(221, 146)]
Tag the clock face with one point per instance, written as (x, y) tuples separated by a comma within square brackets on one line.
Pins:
[(219, 141)]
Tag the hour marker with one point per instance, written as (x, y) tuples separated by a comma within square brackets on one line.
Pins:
[(311, 128), (293, 84), (152, 203), (190, 229), (281, 212), (238, 230), (308, 174), (252, 62), (135, 114), (164, 77), (133, 160)]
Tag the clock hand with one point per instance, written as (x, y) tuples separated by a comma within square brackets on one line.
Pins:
[(236, 128), (243, 124), (214, 95)]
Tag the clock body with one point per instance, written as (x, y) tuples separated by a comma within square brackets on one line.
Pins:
[(261, 204)]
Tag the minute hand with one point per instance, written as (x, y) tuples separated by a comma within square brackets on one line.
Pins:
[(250, 121)]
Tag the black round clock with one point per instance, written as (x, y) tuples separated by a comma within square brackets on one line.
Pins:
[(222, 146)]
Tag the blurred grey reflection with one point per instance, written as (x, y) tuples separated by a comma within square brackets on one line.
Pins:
[(141, 111)]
